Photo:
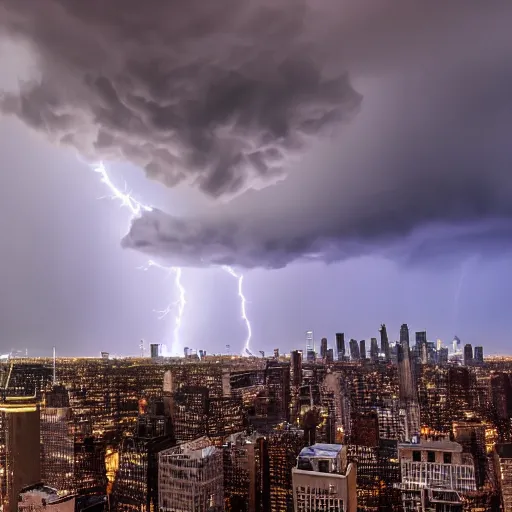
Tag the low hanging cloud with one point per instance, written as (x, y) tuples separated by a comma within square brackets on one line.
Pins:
[(222, 95)]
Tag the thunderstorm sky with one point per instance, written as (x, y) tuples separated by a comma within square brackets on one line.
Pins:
[(355, 167)]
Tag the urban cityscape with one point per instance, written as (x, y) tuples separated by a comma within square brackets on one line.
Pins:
[(334, 426)]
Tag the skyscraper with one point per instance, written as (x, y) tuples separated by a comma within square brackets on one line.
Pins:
[(478, 355), (362, 349), (340, 345), (191, 477), (408, 392), (22, 444), (374, 350), (384, 342), (323, 348), (57, 441), (354, 350), (468, 354), (421, 345)]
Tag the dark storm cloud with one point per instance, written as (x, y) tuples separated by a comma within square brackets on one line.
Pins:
[(225, 95), (424, 173), (218, 94)]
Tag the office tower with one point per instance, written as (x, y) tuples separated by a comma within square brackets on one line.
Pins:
[(365, 427), (57, 441), (282, 449), (468, 354), (323, 481), (296, 368), (442, 356), (155, 350), (421, 344), (329, 357), (22, 445), (190, 477), (407, 386), (455, 344), (362, 349), (323, 348), (404, 334), (503, 468), (384, 342), (435, 474), (310, 342), (471, 436), (90, 466), (186, 352), (479, 355), (340, 345), (354, 350), (374, 350), (242, 484)]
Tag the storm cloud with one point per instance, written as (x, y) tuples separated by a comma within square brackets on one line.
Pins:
[(222, 95), (231, 97)]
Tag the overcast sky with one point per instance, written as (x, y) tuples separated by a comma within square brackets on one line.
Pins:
[(353, 162)]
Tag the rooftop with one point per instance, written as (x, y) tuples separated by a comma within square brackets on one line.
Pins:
[(321, 450), (428, 444)]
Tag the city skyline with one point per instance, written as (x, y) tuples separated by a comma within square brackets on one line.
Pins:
[(395, 209)]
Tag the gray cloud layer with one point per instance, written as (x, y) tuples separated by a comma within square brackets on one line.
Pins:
[(226, 94), (219, 94)]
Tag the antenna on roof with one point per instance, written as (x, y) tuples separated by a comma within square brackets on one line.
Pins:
[(54, 368)]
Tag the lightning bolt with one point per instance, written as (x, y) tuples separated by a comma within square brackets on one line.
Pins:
[(136, 208), (243, 302)]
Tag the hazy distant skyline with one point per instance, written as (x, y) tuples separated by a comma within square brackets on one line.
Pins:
[(367, 162)]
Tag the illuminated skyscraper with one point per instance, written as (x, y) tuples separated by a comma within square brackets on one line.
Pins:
[(22, 445), (191, 478), (57, 441), (310, 342)]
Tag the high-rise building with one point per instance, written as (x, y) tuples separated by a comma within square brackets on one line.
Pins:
[(374, 350), (503, 468), (22, 445), (434, 473), (340, 345), (57, 441), (354, 350), (479, 355), (408, 393), (323, 348), (323, 481), (404, 334), (155, 350), (310, 341), (191, 477), (468, 354), (362, 349), (442, 356), (421, 344), (384, 342)]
